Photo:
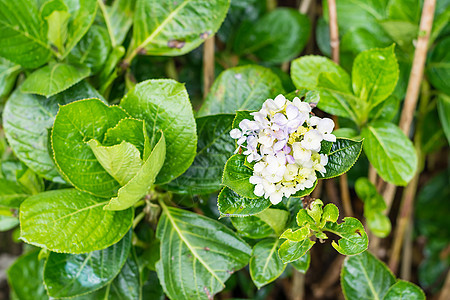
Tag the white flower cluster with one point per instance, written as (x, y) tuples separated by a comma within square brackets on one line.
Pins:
[(284, 140)]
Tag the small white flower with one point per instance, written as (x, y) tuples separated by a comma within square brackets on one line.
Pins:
[(325, 127), (312, 140), (235, 133), (301, 154), (291, 172), (303, 107)]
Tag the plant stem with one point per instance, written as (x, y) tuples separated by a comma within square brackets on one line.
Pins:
[(208, 65), (334, 30), (445, 292), (304, 6), (298, 286)]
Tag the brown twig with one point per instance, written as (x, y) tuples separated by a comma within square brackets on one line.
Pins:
[(445, 292), (334, 31), (298, 286), (372, 174), (405, 272), (208, 65)]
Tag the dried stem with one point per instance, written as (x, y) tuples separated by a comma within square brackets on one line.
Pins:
[(208, 65), (405, 272), (304, 6), (298, 286), (334, 31), (372, 174), (445, 292)]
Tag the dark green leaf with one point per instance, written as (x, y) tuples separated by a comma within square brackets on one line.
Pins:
[(205, 251), (265, 265), (343, 155), (404, 290), (69, 221), (236, 176), (302, 264), (444, 114), (230, 204), (353, 237), (252, 85), (438, 66)]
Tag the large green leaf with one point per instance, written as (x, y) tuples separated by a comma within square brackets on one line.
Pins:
[(54, 78), (230, 204), (353, 238), (8, 75), (214, 147), (69, 221), (390, 152), (120, 18), (69, 275), (404, 290), (11, 194), (236, 176), (22, 36), (265, 265), (374, 75), (197, 254), (343, 155), (438, 66), (252, 85), (164, 105), (444, 114), (175, 27), (141, 183), (75, 124), (276, 37), (365, 277), (27, 120), (25, 277)]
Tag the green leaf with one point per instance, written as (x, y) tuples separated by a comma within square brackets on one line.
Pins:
[(343, 155), (236, 176), (230, 204), (444, 114), (297, 235), (214, 147), (75, 124), (69, 221), (175, 27), (302, 264), (374, 75), (374, 207), (353, 237), (195, 262), (27, 120), (330, 213), (23, 42), (8, 74), (164, 105), (54, 78), (25, 277), (141, 183), (55, 13), (93, 49), (404, 290), (275, 218), (8, 222), (252, 227), (277, 37), (120, 16), (11, 194), (390, 151), (386, 110), (265, 265), (438, 66), (291, 251), (252, 85), (68, 275), (121, 161), (365, 277)]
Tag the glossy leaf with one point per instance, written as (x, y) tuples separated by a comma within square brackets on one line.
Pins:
[(164, 105), (276, 37), (404, 290), (236, 176), (68, 275), (175, 27), (21, 36), (206, 251), (75, 124), (230, 204), (214, 147), (86, 225), (141, 183), (291, 251), (252, 85), (54, 78), (25, 277), (342, 156), (8, 74), (265, 265), (353, 239), (390, 152), (374, 75), (252, 227), (27, 120), (444, 114), (365, 277), (120, 16)]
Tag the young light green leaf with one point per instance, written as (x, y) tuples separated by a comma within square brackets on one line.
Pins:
[(252, 85), (164, 105), (353, 240), (68, 275), (444, 113), (75, 124), (277, 37), (7, 222), (55, 13), (404, 290), (27, 287), (190, 243), (230, 204), (297, 235), (330, 213), (141, 183), (45, 217), (265, 265), (175, 27), (342, 156), (214, 147), (363, 276), (24, 40), (54, 78), (236, 176), (374, 75), (291, 251), (390, 151), (27, 120), (275, 218)]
